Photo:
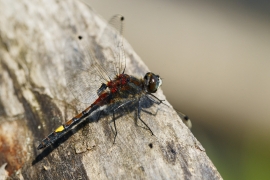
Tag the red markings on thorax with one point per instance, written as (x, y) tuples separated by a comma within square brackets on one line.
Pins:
[(120, 82)]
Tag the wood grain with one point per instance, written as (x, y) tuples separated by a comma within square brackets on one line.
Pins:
[(34, 100)]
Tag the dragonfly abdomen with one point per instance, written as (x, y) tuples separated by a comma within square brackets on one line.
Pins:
[(61, 130)]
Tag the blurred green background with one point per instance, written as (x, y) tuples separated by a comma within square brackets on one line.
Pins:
[(214, 58)]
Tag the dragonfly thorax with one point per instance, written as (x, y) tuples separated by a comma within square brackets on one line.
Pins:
[(119, 82)]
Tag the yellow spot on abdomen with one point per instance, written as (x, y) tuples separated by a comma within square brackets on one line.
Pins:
[(59, 129)]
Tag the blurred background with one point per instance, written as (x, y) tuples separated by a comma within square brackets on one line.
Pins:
[(214, 58)]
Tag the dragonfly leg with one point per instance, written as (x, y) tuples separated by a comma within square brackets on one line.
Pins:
[(151, 113), (120, 106), (139, 116), (115, 130), (157, 100)]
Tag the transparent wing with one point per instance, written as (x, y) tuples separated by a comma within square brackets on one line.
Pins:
[(81, 72), (85, 71), (113, 34)]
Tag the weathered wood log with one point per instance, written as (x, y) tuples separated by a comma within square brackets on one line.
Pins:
[(34, 100)]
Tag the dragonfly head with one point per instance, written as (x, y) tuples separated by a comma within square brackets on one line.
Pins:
[(152, 82)]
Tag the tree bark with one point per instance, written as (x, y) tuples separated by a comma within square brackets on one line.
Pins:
[(34, 100)]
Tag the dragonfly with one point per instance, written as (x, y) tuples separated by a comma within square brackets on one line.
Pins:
[(105, 84)]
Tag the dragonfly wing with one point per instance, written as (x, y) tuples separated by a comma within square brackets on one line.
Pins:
[(112, 39), (86, 68), (83, 76)]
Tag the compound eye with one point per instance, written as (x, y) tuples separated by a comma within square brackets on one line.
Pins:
[(152, 82)]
